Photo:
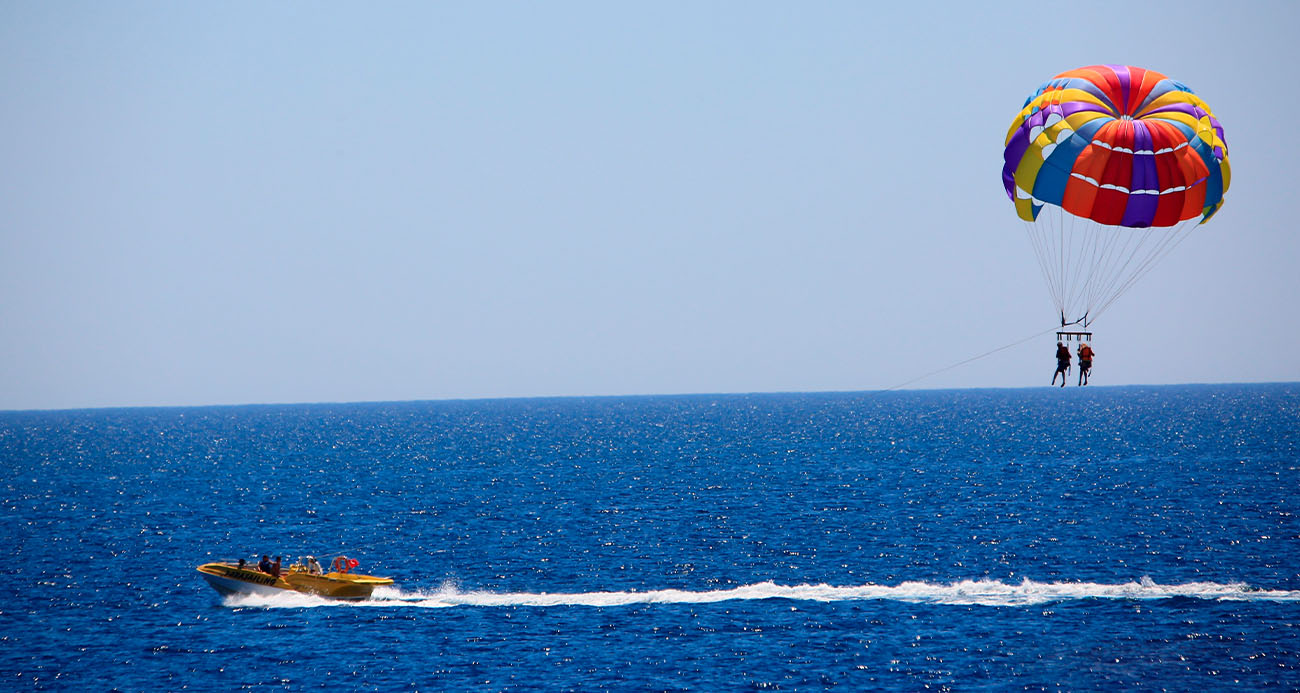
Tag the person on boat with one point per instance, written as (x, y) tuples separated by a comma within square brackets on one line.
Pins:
[(275, 568), (264, 565), (242, 564), (1062, 363), (313, 566), (1085, 362)]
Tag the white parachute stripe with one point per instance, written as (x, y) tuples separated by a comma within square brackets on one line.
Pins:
[(1138, 191), (1126, 150), (1174, 148)]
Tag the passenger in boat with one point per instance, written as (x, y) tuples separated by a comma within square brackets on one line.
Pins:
[(264, 565), (242, 564), (1062, 363), (275, 567), (313, 566), (1085, 362)]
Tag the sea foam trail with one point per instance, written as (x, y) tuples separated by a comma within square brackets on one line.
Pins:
[(963, 593)]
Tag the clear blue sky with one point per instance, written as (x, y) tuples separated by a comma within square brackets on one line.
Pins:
[(206, 203)]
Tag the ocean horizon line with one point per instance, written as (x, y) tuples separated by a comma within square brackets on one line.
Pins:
[(628, 396)]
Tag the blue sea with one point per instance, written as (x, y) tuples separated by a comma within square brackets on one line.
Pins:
[(1094, 538)]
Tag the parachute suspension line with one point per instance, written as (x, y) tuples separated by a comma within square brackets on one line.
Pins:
[(1066, 247), (1038, 238), (1043, 247), (1106, 241), (1118, 245), (1119, 263), (1139, 264), (1113, 266), (1087, 265), (1064, 227), (1047, 236), (1066, 233), (973, 358), (1043, 237), (1084, 267), (1092, 242), (1064, 255), (1078, 279), (1170, 241)]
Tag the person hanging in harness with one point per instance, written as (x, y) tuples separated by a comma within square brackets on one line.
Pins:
[(1062, 363), (1085, 363)]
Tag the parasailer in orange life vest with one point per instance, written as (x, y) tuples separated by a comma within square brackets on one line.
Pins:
[(1085, 363)]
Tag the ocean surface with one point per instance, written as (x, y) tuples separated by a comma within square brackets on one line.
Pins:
[(1093, 538)]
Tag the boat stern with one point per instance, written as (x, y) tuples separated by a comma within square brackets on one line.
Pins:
[(230, 579)]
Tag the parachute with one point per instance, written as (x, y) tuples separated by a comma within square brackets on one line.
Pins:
[(1110, 166)]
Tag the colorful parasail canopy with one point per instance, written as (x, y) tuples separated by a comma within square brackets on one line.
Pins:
[(1097, 159)]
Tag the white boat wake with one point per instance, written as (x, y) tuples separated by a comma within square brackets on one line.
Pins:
[(962, 593)]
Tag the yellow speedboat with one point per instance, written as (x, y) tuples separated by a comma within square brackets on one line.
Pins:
[(231, 578)]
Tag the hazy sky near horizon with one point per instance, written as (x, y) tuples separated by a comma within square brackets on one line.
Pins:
[(219, 203)]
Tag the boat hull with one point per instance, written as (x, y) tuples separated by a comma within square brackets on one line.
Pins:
[(229, 579)]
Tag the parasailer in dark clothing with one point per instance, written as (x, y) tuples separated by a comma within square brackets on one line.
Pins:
[(1062, 363)]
